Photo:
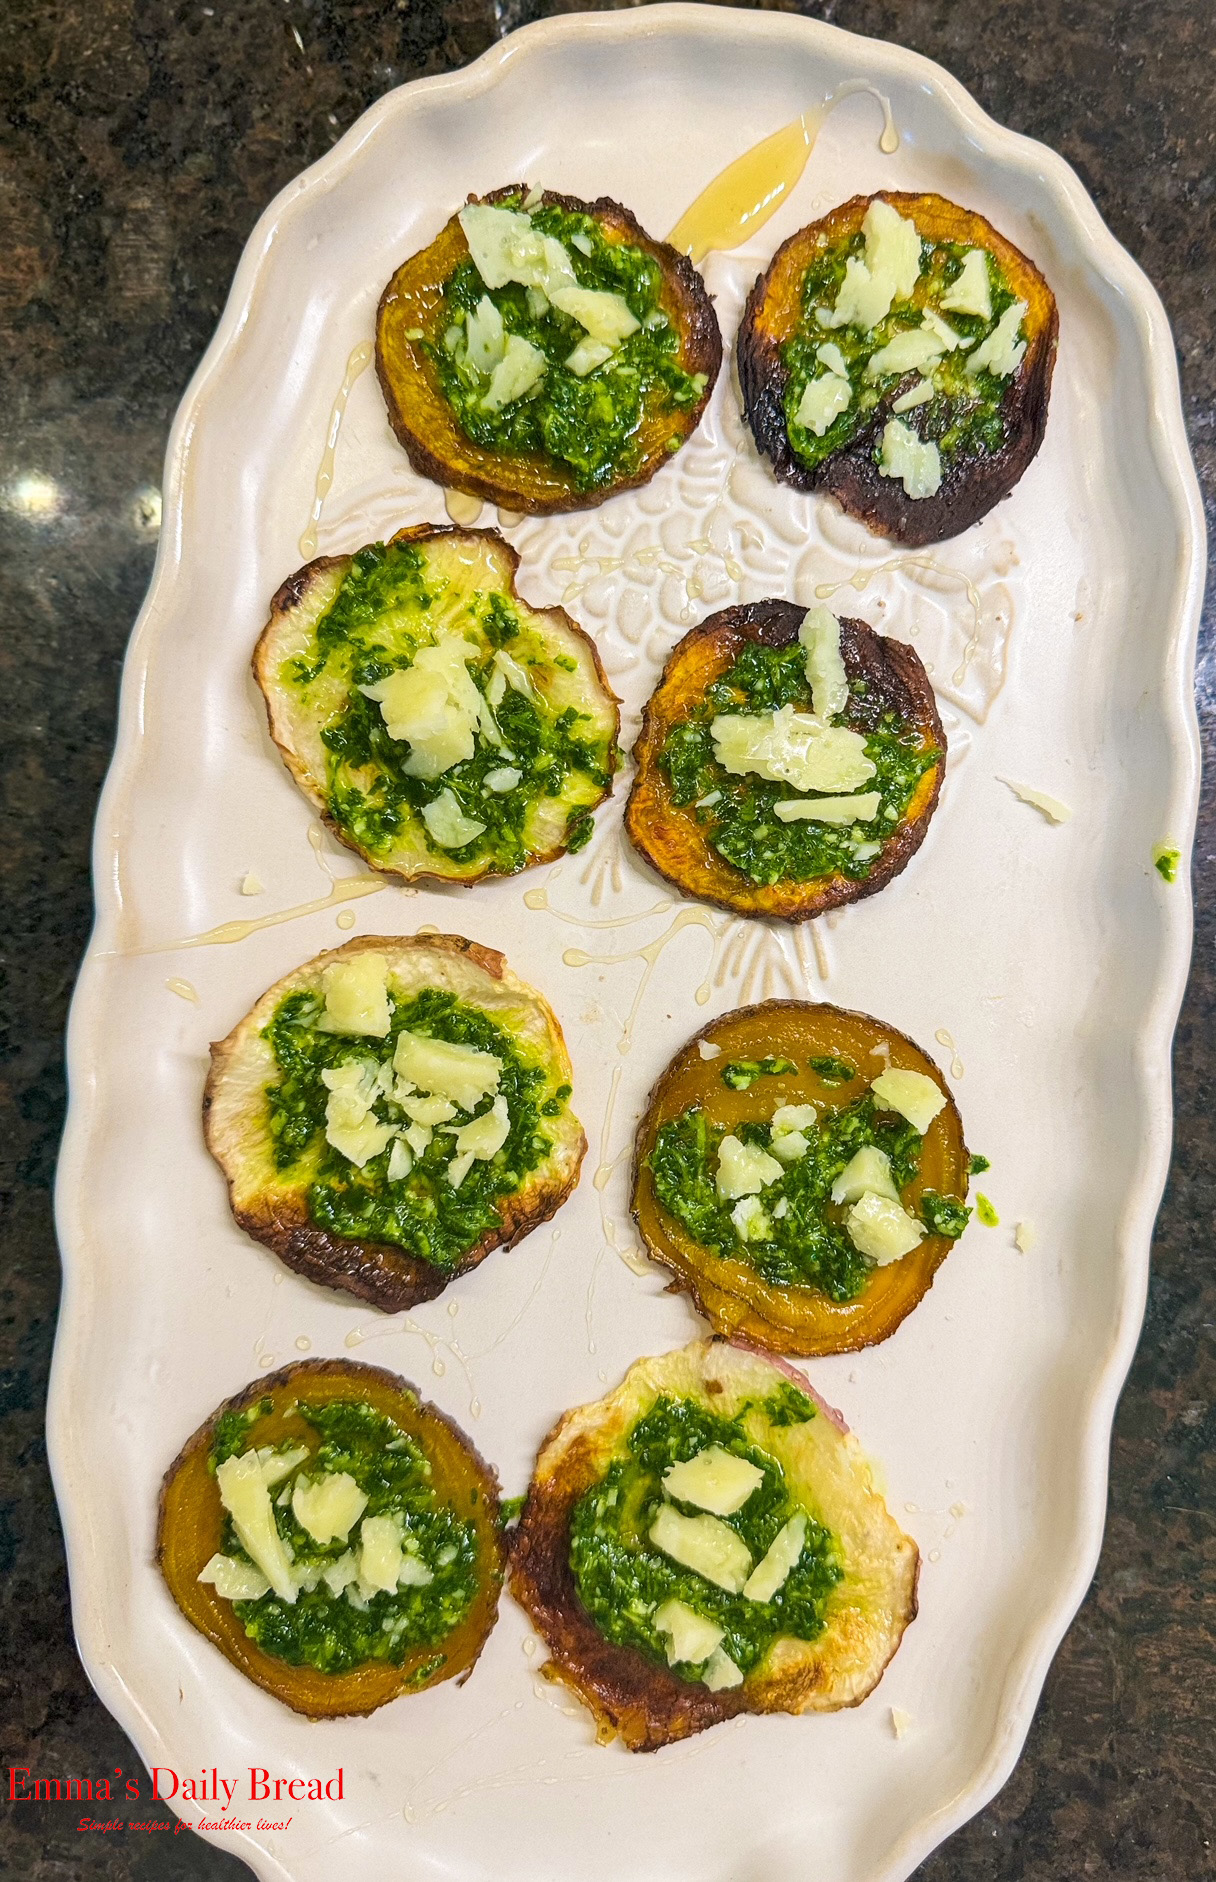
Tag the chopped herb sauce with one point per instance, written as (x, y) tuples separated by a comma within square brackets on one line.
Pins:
[(338, 1632), (966, 415), (806, 1243), (833, 1071), (589, 426), (1166, 861), (741, 1074), (423, 1213), (986, 1212), (622, 1578), (392, 602), (978, 1165), (736, 813)]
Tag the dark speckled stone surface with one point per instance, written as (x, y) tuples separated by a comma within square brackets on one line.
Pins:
[(143, 137)]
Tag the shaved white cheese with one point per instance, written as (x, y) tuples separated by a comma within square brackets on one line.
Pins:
[(864, 298), (691, 1638), (829, 809), (356, 996), (506, 247), (915, 462), (822, 401), (435, 705), (1051, 807), (793, 1117), (379, 1553), (820, 635), (279, 1464), (787, 1127), (892, 246), (772, 1571), (888, 273), (487, 1134), (503, 778), (414, 1572), (400, 1161), (869, 1170), (791, 748), (485, 337), (906, 351), (721, 1671), (360, 1142), (706, 1049), (606, 317), (459, 1168), (919, 394), (250, 885), (715, 1480), (341, 1573), (350, 1124), (446, 823), (751, 1220), (418, 1137), (508, 672), (881, 1229), (429, 1110), (1002, 352), (244, 1495), (830, 355), (971, 293), (329, 1507), (743, 1169), (234, 1580), (458, 1072), (703, 1544), (949, 336), (521, 367), (913, 1094), (1025, 1236), (587, 355)]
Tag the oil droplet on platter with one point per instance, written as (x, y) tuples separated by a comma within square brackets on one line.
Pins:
[(303, 1344), (359, 361), (184, 990), (346, 890), (742, 197), (943, 1039), (463, 509), (353, 1338), (438, 1367), (347, 918)]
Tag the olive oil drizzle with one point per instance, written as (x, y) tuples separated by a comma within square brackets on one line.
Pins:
[(357, 364), (742, 197)]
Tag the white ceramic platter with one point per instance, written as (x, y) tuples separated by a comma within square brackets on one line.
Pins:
[(1044, 964)]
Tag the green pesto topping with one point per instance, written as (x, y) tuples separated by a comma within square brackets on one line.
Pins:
[(978, 1165), (622, 1578), (1166, 861), (833, 1071), (801, 1240), (986, 1212), (736, 812), (966, 416), (422, 1212), (337, 1632), (588, 425), (741, 1074), (535, 761)]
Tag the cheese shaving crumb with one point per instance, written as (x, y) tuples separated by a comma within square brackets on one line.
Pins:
[(901, 1722), (1051, 807), (251, 886), (1025, 1236), (708, 1050)]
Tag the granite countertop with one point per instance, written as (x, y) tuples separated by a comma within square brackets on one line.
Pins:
[(142, 141)]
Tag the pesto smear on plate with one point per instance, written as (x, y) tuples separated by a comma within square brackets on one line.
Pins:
[(809, 1196), (451, 724), (885, 312), (692, 1549), (557, 342), (406, 1117), (342, 1554), (793, 772)]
